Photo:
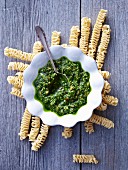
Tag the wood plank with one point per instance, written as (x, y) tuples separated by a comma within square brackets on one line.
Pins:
[(111, 146), (18, 32)]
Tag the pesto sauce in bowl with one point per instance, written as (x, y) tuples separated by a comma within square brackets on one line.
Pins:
[(57, 95)]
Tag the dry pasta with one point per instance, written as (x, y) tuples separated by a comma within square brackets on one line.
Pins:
[(25, 123), (40, 138), (19, 66), (10, 52), (102, 107), (85, 32), (16, 92), (67, 133), (74, 34), (96, 33), (89, 127), (85, 159), (110, 100), (35, 127), (101, 121), (102, 49), (55, 40), (16, 81), (106, 75), (37, 47), (107, 87)]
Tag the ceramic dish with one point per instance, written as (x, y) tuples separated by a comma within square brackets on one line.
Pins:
[(93, 100)]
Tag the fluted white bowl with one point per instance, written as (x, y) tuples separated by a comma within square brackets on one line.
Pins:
[(93, 100)]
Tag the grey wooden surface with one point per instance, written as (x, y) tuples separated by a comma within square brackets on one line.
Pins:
[(17, 21)]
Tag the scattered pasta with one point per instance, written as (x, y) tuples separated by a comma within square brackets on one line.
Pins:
[(55, 40), (107, 87), (19, 66), (35, 127), (25, 123), (101, 121), (85, 159), (110, 100), (102, 49), (19, 74), (74, 34), (67, 133), (16, 92), (106, 75), (16, 81), (40, 138), (96, 33), (85, 32), (10, 52), (102, 107), (89, 127), (37, 47)]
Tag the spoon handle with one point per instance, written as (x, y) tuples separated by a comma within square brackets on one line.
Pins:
[(42, 37)]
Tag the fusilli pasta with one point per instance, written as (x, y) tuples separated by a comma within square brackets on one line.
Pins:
[(107, 87), (85, 159), (40, 138), (35, 127), (110, 100), (55, 40), (37, 47), (106, 75), (25, 123), (19, 66), (16, 92), (85, 32), (101, 121), (74, 34), (16, 81), (67, 133), (89, 127), (10, 52), (102, 49), (96, 33)]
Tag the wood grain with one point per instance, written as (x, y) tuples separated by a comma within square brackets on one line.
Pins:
[(17, 22)]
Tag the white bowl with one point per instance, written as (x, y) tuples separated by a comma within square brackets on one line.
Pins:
[(93, 100)]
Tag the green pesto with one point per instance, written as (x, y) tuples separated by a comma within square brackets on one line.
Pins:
[(55, 93)]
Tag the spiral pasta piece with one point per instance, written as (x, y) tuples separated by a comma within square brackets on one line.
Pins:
[(14, 53), (74, 34), (55, 40), (64, 45), (19, 66), (16, 92), (89, 127), (101, 121), (16, 81), (40, 138), (25, 123), (85, 159), (110, 100), (37, 47), (85, 32), (96, 33), (106, 75), (107, 87), (35, 127), (102, 49), (67, 133), (102, 107)]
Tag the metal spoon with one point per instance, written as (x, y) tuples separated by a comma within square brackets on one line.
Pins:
[(42, 37)]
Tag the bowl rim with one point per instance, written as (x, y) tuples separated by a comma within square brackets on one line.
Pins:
[(93, 99)]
